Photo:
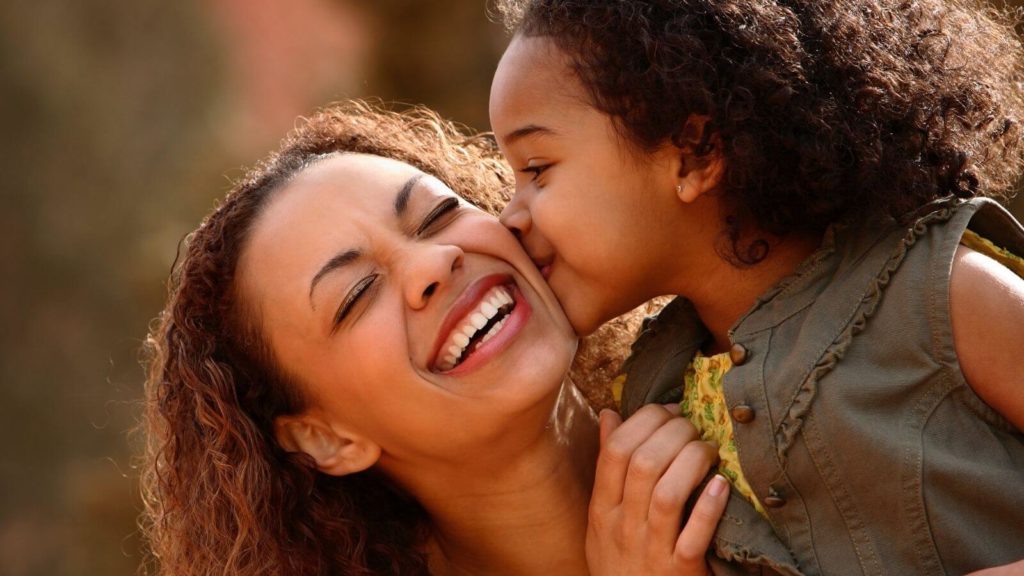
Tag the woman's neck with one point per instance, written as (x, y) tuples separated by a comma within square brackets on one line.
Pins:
[(528, 516)]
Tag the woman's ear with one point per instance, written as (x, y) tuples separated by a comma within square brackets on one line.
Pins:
[(336, 452), (701, 165)]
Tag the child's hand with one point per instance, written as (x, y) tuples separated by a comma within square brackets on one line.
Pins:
[(647, 468)]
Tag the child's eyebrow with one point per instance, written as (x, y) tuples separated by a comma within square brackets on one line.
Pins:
[(527, 131)]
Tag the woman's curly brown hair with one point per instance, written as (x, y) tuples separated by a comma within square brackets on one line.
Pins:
[(221, 496), (825, 109)]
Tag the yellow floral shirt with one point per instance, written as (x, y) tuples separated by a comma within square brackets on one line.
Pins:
[(704, 405)]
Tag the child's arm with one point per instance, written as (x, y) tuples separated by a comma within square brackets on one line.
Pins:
[(987, 311)]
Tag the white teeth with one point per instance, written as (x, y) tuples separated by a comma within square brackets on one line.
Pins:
[(494, 330), (490, 304)]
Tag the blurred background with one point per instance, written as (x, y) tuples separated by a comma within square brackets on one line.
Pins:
[(122, 121)]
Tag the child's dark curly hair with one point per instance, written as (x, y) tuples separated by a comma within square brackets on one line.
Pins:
[(824, 108)]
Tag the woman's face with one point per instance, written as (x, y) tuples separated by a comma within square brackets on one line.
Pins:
[(405, 314)]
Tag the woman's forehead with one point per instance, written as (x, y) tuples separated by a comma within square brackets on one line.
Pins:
[(355, 176), (356, 173), (341, 203)]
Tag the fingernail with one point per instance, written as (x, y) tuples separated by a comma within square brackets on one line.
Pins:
[(717, 485)]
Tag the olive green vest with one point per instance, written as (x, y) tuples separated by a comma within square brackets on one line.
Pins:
[(852, 419)]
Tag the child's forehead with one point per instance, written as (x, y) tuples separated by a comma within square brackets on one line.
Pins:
[(534, 72)]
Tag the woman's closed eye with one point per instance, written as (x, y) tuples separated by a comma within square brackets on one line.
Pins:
[(361, 289), (438, 217)]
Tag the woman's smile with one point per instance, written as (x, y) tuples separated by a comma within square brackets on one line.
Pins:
[(484, 320)]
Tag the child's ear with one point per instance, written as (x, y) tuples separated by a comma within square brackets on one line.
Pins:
[(336, 451), (701, 165)]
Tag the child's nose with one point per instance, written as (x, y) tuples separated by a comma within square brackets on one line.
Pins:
[(428, 269), (516, 217)]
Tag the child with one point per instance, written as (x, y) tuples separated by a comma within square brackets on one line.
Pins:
[(808, 178)]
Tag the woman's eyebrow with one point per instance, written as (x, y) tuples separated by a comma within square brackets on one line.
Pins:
[(340, 260), (402, 200)]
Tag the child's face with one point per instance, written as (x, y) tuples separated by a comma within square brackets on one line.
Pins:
[(595, 215)]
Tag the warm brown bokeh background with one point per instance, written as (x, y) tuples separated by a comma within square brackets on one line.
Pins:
[(122, 121)]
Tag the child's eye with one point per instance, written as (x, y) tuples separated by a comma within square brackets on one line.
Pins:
[(536, 171)]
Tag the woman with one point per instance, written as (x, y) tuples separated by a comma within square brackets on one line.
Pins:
[(357, 372)]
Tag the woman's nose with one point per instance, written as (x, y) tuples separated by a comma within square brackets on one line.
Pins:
[(516, 216), (430, 268)]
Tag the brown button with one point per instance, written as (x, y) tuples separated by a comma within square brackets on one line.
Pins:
[(743, 413), (774, 499), (738, 354)]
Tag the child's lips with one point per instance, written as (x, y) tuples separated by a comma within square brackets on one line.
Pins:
[(544, 266)]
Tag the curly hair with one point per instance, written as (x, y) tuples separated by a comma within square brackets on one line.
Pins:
[(221, 496), (824, 110)]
